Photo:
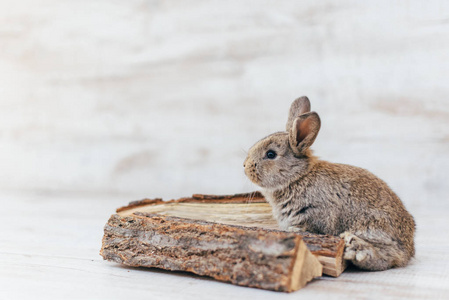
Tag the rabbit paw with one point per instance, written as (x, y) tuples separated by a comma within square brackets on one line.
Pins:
[(356, 249)]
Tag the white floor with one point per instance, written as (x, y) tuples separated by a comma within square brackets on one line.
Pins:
[(49, 248)]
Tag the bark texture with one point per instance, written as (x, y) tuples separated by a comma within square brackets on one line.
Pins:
[(250, 210), (272, 260), (231, 238)]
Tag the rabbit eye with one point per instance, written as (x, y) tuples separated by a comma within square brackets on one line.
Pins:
[(271, 154)]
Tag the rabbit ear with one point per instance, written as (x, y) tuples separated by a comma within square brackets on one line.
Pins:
[(299, 106), (303, 133)]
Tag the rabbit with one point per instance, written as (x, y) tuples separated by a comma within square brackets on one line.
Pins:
[(308, 194)]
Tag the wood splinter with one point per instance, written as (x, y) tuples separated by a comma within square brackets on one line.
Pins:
[(231, 238)]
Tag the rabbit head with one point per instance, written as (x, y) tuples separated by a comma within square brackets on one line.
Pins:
[(283, 157)]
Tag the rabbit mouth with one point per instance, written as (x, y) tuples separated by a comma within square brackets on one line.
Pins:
[(253, 175)]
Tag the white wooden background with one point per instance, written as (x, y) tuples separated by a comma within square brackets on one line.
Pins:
[(102, 102)]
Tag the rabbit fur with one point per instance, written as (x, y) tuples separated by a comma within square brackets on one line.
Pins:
[(308, 194)]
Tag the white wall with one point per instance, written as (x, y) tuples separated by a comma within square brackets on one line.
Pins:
[(162, 98)]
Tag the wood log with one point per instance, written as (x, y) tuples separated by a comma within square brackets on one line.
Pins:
[(277, 261), (230, 238), (250, 210)]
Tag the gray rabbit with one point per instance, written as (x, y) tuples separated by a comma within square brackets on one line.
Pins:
[(317, 196)]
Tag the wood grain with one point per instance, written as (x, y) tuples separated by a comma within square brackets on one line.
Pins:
[(249, 210), (270, 260)]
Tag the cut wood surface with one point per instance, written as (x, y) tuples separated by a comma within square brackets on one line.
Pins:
[(231, 238), (250, 210), (272, 260)]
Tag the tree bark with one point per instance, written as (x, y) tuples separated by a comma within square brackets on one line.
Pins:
[(231, 238), (271, 260)]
